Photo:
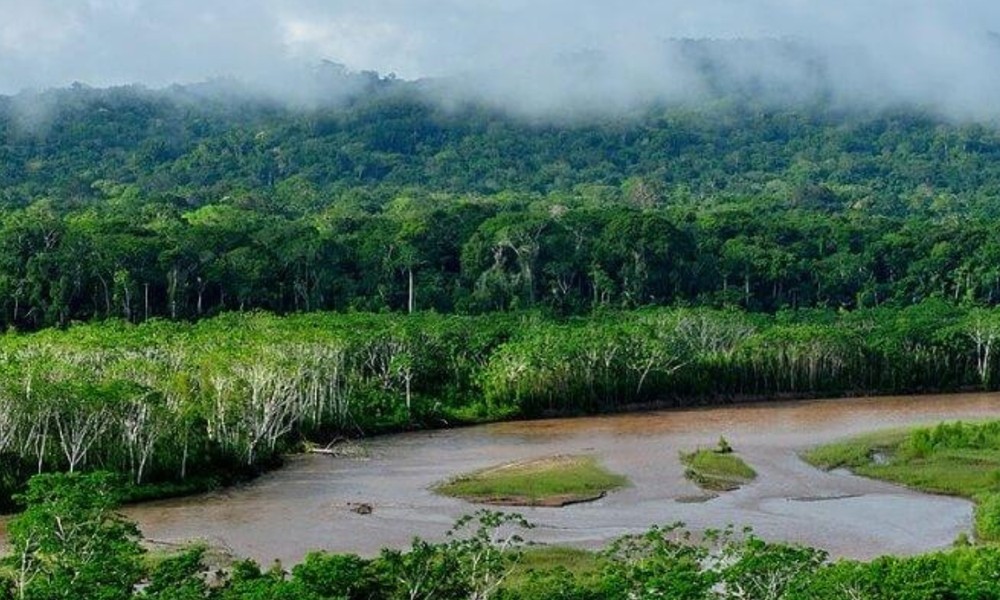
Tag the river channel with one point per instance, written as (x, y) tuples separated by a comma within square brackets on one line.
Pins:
[(307, 504)]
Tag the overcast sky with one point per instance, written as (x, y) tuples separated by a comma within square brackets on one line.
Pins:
[(907, 48)]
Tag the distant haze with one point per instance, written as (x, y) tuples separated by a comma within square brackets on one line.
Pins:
[(539, 56)]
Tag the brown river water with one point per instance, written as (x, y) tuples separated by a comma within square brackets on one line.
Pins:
[(306, 504)]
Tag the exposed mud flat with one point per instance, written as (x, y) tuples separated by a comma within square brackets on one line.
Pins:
[(305, 505), (557, 501)]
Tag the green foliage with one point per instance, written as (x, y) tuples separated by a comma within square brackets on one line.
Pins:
[(248, 582), (553, 480), (68, 542), (988, 517), (184, 406), (481, 553), (539, 558), (342, 576), (488, 545), (952, 436), (136, 204), (179, 577), (863, 243), (717, 471), (965, 573), (76, 548), (661, 563), (753, 568), (554, 584)]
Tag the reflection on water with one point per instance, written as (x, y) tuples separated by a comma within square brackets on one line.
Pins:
[(307, 504)]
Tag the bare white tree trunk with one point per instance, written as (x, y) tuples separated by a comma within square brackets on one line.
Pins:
[(78, 428), (9, 423), (267, 412), (140, 431), (984, 333), (411, 301), (35, 441), (27, 567)]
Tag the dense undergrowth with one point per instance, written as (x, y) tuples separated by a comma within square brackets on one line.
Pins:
[(859, 240), (168, 402)]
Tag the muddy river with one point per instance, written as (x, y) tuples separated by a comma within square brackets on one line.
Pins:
[(307, 504)]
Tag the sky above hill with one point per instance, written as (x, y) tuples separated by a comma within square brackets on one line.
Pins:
[(515, 50)]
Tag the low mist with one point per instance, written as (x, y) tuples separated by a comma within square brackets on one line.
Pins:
[(542, 58)]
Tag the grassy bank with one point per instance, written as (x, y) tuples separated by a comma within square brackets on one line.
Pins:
[(550, 481), (959, 459)]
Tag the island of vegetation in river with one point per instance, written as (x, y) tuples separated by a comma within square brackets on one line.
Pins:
[(548, 481), (717, 469)]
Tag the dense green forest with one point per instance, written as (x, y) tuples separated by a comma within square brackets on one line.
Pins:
[(195, 280), (69, 543), (174, 402), (675, 254), (180, 203)]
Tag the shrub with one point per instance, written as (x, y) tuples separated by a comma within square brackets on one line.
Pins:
[(988, 517)]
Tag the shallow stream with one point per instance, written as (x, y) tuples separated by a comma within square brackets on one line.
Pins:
[(307, 504)]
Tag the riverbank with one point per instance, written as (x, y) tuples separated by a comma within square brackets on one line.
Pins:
[(960, 459), (163, 400), (308, 503), (486, 553), (233, 476)]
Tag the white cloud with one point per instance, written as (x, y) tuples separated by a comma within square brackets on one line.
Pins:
[(352, 40), (35, 28), (517, 51)]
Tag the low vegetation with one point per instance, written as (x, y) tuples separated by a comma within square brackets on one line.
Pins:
[(539, 563), (959, 459), (718, 469), (551, 481)]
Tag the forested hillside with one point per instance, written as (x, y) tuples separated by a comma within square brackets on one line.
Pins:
[(187, 202), (159, 251)]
